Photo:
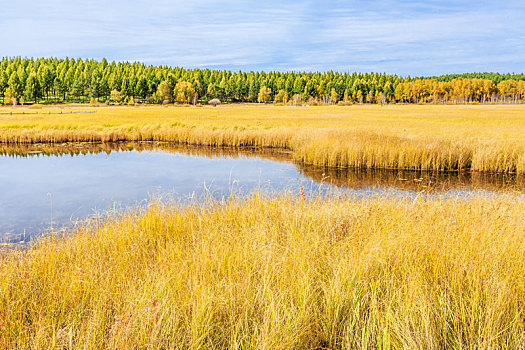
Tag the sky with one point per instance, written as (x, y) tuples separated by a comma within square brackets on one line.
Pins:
[(394, 36)]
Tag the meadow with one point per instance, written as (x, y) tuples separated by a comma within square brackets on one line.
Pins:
[(481, 138), (276, 273), (284, 271)]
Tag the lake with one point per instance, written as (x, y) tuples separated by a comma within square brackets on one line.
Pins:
[(45, 186)]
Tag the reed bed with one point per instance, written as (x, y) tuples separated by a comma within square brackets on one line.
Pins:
[(438, 138), (276, 273)]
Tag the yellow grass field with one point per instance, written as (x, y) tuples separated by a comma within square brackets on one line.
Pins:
[(281, 272), (276, 273), (430, 137)]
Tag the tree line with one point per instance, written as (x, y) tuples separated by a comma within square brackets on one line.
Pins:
[(54, 80)]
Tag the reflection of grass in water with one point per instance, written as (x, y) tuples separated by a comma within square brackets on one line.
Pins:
[(415, 180), (77, 148), (479, 138), (276, 273), (349, 177)]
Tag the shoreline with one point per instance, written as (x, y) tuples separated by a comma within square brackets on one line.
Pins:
[(401, 140)]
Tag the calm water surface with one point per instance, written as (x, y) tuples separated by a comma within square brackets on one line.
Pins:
[(43, 186)]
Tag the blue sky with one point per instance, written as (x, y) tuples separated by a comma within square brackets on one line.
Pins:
[(403, 37)]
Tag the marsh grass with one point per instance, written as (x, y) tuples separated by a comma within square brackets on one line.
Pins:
[(276, 273), (435, 138)]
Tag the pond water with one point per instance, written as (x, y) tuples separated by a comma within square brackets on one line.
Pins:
[(43, 186)]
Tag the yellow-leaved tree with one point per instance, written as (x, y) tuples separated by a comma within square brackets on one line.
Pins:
[(265, 94), (184, 92)]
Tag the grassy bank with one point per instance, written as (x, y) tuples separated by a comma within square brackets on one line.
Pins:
[(469, 138), (272, 273)]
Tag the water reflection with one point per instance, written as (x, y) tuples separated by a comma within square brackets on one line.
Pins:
[(44, 185), (348, 177), (416, 180)]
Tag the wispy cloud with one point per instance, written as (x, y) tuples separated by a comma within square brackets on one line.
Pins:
[(405, 37)]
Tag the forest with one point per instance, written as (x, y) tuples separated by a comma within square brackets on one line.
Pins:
[(69, 80)]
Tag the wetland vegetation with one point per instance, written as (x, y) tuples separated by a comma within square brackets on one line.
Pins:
[(281, 272), (58, 186), (436, 138), (284, 270), (260, 175)]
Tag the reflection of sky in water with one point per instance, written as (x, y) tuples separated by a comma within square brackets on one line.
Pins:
[(65, 187), (35, 189)]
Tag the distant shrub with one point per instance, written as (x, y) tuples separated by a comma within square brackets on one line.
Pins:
[(214, 102), (150, 100)]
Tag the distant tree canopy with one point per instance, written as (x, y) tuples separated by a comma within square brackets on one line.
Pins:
[(52, 80)]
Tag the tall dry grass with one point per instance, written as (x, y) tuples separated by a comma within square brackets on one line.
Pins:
[(469, 138), (276, 273)]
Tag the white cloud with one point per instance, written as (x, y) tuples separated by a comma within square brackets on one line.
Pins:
[(404, 37)]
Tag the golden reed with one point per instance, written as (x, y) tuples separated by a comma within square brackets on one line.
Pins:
[(437, 138)]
